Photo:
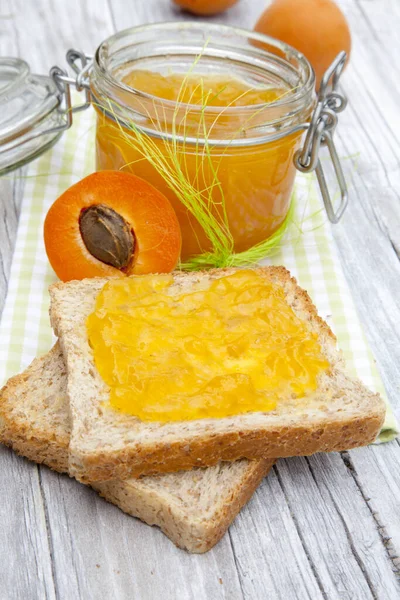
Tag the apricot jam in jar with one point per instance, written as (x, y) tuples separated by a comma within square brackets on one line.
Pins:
[(210, 115)]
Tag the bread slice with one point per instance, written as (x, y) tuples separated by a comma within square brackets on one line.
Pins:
[(193, 508), (106, 444)]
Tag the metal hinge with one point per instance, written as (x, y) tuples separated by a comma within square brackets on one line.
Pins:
[(81, 64), (320, 133)]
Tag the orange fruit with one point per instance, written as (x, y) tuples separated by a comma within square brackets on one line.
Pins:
[(205, 7), (317, 28)]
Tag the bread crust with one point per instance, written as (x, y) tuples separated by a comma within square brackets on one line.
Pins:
[(326, 431), (301, 440), (40, 444)]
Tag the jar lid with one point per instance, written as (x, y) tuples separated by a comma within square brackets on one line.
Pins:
[(28, 107)]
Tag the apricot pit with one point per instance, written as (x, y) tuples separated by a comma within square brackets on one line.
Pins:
[(107, 235)]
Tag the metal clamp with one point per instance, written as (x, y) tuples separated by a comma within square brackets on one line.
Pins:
[(320, 133), (81, 64)]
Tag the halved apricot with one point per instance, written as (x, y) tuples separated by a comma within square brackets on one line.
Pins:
[(111, 224)]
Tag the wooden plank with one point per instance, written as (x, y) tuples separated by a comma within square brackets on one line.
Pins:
[(269, 548), (376, 472), (372, 270), (99, 552), (329, 532), (25, 560), (24, 549), (9, 39), (362, 555), (368, 239), (46, 30)]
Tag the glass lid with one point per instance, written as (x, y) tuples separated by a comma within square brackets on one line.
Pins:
[(28, 106)]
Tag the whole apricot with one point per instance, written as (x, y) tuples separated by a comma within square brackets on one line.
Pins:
[(205, 7), (317, 28)]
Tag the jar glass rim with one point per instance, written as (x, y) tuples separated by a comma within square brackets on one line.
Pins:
[(305, 71)]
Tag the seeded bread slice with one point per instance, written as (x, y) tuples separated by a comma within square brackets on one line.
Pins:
[(193, 508), (106, 444)]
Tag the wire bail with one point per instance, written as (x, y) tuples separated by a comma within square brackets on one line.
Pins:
[(320, 133), (81, 64)]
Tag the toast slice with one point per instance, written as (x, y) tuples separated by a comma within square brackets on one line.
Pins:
[(106, 444), (193, 508)]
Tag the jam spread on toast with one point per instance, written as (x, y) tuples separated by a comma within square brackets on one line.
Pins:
[(221, 347)]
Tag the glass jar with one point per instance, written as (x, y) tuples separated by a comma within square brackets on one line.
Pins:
[(250, 148), (29, 121), (228, 171)]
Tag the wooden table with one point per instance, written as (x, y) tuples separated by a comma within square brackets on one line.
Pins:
[(321, 527)]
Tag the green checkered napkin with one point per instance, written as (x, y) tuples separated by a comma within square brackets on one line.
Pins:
[(307, 250)]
